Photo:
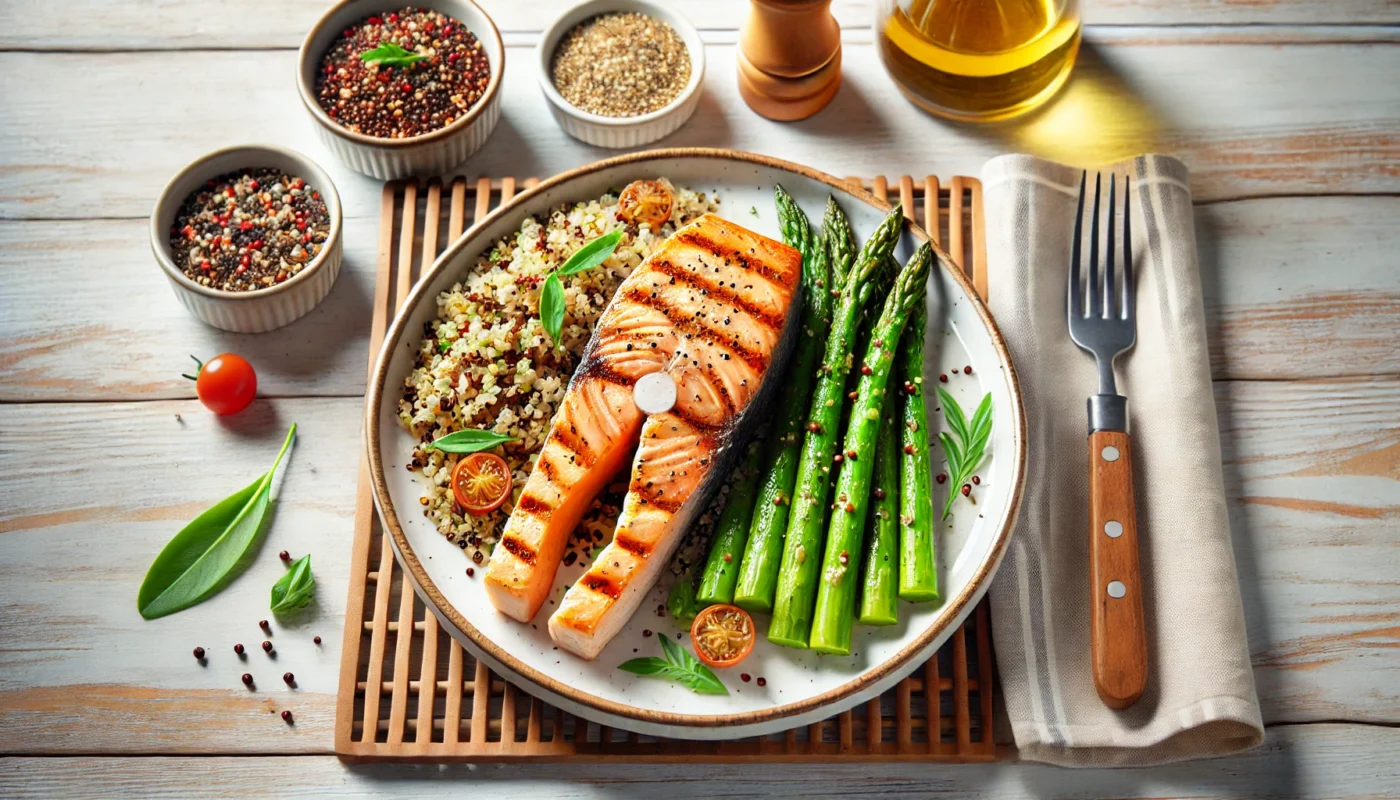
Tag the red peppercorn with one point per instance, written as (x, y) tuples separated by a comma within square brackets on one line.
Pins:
[(909, 449), (966, 489), (287, 717), (316, 639), (267, 646), (199, 653), (238, 648), (865, 369), (285, 556), (967, 370), (406, 87), (470, 572), (814, 427), (262, 623), (942, 477), (976, 480), (646, 634), (247, 679), (850, 508), (453, 56), (762, 681), (289, 678), (943, 378), (879, 493), (745, 677), (393, 17)]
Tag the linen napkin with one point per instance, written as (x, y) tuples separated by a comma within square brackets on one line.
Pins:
[(1200, 698)]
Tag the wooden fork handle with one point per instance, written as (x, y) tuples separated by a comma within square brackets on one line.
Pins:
[(1118, 636)]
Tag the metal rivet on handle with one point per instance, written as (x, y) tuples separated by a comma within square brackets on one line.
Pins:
[(1113, 528), (1109, 453), (1116, 589)]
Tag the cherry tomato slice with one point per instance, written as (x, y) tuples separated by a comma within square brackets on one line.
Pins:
[(646, 202), (481, 482), (723, 635), (226, 384)]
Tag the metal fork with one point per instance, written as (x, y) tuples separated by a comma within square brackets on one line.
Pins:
[(1102, 321)]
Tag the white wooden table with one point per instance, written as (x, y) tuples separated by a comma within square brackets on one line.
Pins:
[(1287, 111)]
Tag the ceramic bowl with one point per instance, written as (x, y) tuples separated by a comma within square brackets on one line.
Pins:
[(621, 132), (431, 153), (263, 309)]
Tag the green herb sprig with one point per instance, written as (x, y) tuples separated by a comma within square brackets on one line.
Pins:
[(468, 441), (207, 553), (679, 666), (388, 54), (295, 588), (552, 293), (968, 444)]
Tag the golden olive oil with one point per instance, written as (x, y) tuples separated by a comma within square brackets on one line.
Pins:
[(979, 59)]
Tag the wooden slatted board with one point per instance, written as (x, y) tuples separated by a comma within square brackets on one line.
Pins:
[(409, 691)]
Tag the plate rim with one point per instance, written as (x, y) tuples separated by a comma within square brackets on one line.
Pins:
[(428, 589)]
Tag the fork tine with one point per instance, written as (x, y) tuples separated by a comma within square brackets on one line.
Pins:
[(1129, 290), (1093, 288), (1110, 245), (1076, 308)]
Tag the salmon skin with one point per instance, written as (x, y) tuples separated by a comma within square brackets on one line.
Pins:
[(710, 308)]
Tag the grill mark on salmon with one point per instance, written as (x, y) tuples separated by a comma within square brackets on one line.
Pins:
[(518, 549), (637, 548), (730, 255), (529, 504), (769, 320), (602, 585), (684, 322)]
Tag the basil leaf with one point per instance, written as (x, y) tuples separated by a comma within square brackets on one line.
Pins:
[(389, 54), (591, 254), (294, 589), (207, 553), (681, 601), (469, 441), (552, 306), (965, 451), (953, 413), (651, 665), (679, 666)]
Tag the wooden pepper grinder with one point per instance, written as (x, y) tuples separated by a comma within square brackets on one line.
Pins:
[(789, 58)]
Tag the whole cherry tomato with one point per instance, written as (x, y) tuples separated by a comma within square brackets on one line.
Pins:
[(225, 384)]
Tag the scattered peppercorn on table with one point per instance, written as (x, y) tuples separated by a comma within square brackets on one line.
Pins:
[(1275, 107)]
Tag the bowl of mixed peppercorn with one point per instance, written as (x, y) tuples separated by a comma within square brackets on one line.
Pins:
[(249, 237), (404, 91)]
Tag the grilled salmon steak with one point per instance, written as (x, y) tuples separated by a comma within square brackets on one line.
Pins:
[(710, 309)]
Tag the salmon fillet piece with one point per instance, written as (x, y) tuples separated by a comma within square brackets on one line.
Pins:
[(727, 292), (710, 308)]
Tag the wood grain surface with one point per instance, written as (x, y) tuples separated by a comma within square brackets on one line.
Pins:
[(1117, 632), (1281, 108)]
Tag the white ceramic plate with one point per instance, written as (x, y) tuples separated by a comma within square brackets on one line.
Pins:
[(801, 687)]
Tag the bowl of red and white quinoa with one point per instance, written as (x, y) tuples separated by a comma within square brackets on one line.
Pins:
[(249, 237), (397, 91)]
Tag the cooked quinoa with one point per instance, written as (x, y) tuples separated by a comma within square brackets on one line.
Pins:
[(486, 362)]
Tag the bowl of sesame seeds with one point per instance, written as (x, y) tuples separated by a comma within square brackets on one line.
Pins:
[(621, 73), (249, 237), (402, 91)]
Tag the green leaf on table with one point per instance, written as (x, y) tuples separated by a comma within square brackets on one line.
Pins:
[(294, 589), (469, 441), (552, 306), (388, 54), (207, 553), (679, 666), (591, 254)]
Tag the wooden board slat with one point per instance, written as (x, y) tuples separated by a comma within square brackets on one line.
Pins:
[(363, 734)]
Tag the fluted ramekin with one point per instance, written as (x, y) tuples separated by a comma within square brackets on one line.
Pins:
[(262, 309), (432, 153), (621, 132)]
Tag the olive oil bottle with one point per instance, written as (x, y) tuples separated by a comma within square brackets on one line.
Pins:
[(978, 60)]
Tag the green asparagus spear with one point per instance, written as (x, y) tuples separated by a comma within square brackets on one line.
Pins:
[(840, 568), (840, 241), (731, 533), (879, 599), (918, 577), (797, 577), (758, 569)]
